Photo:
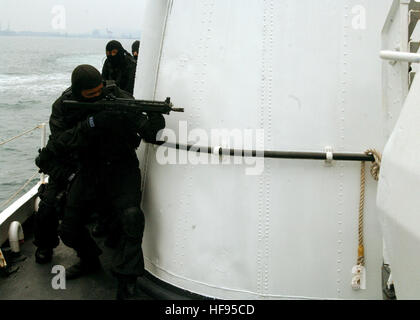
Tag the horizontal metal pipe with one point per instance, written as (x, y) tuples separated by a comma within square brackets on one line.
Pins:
[(400, 56), (271, 154)]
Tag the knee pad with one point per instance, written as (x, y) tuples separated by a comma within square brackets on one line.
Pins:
[(133, 222)]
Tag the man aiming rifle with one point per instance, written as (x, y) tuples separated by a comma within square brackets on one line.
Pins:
[(90, 122)]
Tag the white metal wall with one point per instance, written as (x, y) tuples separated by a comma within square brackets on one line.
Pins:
[(398, 189), (395, 76), (303, 73), (398, 198)]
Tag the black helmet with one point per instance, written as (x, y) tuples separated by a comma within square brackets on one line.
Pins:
[(84, 77), (135, 47)]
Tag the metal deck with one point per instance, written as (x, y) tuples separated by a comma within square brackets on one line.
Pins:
[(33, 281)]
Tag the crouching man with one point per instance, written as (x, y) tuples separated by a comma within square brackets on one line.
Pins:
[(108, 174)]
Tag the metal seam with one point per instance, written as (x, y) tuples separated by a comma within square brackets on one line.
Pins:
[(260, 269), (267, 171), (201, 75), (343, 95)]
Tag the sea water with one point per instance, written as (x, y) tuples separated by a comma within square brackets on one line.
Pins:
[(34, 72)]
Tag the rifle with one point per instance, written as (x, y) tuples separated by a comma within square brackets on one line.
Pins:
[(110, 103)]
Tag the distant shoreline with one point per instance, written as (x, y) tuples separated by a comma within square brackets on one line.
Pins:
[(59, 35)]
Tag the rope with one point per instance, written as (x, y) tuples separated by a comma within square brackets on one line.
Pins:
[(3, 263), (374, 170), (3, 204), (20, 135), (376, 166), (361, 249)]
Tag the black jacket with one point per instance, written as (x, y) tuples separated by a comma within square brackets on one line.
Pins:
[(70, 134), (124, 75)]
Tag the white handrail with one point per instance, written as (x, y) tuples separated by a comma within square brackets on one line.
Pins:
[(6, 202), (15, 236), (19, 135), (400, 56), (43, 127)]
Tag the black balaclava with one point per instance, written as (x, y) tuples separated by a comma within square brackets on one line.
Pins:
[(118, 59), (135, 48), (85, 77)]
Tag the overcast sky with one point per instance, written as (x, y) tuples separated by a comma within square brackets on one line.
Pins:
[(80, 16)]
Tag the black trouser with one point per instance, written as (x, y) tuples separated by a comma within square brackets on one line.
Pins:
[(48, 215), (118, 185)]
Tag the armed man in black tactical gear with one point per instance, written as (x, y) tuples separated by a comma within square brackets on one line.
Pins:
[(119, 66), (104, 144)]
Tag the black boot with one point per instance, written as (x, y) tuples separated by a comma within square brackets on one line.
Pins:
[(126, 287), (43, 255), (82, 268)]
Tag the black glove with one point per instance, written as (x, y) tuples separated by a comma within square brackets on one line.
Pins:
[(150, 129), (48, 164), (139, 121), (157, 121), (43, 160)]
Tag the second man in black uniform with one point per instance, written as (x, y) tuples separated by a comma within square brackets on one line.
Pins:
[(119, 66)]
